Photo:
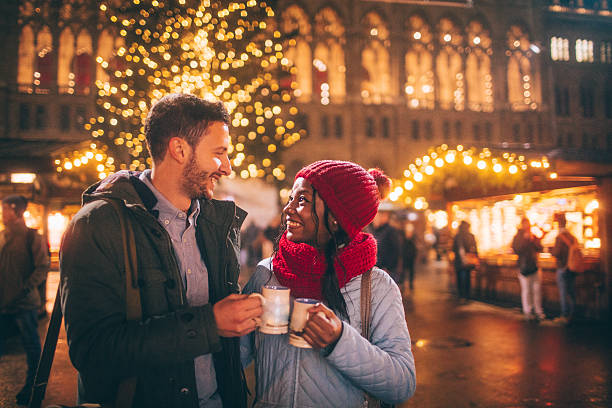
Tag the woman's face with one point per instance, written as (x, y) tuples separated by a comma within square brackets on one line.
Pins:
[(298, 216)]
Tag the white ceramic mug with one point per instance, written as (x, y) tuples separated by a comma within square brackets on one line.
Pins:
[(276, 303), (299, 317)]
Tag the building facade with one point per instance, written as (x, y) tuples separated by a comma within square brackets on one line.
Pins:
[(378, 81)]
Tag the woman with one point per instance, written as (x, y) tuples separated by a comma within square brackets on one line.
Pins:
[(322, 254), (526, 246), (464, 244)]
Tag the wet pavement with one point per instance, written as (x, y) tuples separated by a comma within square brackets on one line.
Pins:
[(467, 355)]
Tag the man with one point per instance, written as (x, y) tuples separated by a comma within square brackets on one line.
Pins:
[(24, 263), (184, 352), (464, 247), (566, 278), (388, 241)]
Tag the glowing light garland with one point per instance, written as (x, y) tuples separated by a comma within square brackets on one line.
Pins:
[(424, 174), (212, 49)]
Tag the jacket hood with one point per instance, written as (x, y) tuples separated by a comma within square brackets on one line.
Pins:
[(126, 185), (121, 185)]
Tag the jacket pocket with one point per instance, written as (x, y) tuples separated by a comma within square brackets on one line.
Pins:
[(153, 292)]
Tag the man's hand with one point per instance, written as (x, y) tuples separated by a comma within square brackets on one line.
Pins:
[(323, 327), (237, 315)]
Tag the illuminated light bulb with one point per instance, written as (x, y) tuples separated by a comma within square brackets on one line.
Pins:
[(481, 164), (512, 169), (406, 172), (447, 37), (588, 220), (497, 167), (417, 35), (588, 232), (439, 162), (449, 158), (429, 170), (467, 160), (418, 177), (591, 206), (553, 176), (408, 185)]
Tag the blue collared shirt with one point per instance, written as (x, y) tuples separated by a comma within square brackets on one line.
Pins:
[(181, 227)]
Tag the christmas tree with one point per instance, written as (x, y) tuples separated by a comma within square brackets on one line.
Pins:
[(223, 50)]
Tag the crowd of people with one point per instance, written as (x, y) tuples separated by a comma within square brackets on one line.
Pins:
[(195, 329)]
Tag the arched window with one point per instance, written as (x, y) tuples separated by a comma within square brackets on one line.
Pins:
[(44, 74), (449, 66), (478, 68), (522, 84), (376, 76), (419, 85), (107, 59), (82, 63), (25, 69), (296, 26), (328, 62), (65, 77)]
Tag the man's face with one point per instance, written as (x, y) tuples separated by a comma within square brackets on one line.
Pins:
[(207, 163), (8, 214)]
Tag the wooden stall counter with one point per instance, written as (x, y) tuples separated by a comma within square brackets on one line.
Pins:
[(496, 279)]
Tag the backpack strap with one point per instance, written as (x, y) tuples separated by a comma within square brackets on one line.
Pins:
[(127, 388)]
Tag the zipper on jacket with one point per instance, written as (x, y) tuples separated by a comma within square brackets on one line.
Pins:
[(226, 280)]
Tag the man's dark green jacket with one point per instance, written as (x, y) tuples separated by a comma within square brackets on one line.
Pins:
[(159, 350)]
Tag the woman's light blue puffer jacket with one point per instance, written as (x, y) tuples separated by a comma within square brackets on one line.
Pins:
[(288, 376)]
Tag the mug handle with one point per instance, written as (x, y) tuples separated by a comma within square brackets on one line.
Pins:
[(259, 295)]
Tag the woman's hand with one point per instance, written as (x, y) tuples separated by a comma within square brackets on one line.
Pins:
[(323, 327)]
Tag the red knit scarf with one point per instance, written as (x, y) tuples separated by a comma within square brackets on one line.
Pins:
[(301, 267)]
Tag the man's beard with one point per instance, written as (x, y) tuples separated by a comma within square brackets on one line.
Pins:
[(194, 183)]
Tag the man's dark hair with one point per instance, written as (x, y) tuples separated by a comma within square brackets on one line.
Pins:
[(17, 202), (560, 217), (181, 115)]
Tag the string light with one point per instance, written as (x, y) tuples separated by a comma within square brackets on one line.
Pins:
[(420, 176), (217, 51)]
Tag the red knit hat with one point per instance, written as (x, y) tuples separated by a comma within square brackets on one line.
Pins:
[(351, 193)]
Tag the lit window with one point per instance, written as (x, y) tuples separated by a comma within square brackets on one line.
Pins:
[(559, 49), (606, 52), (584, 51)]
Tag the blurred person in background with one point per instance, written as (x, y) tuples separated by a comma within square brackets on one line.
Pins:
[(24, 263), (409, 255), (527, 246), (465, 249), (389, 242), (566, 278)]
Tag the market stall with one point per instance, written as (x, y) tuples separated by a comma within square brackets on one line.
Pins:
[(494, 222)]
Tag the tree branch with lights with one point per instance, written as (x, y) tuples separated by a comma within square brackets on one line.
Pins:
[(223, 50)]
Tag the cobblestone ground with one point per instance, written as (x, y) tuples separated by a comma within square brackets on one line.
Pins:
[(467, 355)]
